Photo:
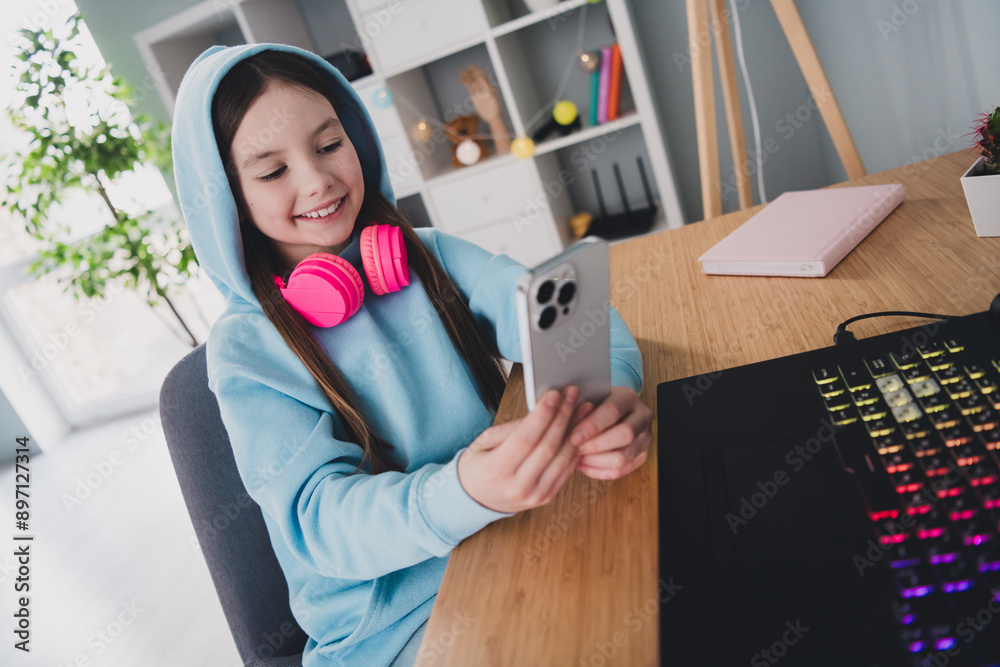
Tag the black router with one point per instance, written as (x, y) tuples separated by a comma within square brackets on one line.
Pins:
[(628, 222)]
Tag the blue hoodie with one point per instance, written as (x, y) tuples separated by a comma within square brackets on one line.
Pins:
[(363, 554)]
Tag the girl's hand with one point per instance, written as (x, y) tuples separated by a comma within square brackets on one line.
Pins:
[(522, 464), (615, 438)]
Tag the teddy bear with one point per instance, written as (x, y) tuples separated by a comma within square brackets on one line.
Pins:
[(462, 128)]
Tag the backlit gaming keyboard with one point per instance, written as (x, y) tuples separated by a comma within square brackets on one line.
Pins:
[(920, 429)]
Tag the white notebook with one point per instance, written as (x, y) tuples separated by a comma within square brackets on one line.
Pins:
[(803, 233)]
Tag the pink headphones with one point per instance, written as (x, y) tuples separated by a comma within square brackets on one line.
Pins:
[(325, 289)]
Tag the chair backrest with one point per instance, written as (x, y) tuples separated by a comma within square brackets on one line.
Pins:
[(227, 522)]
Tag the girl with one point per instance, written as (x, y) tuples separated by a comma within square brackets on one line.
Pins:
[(368, 445)]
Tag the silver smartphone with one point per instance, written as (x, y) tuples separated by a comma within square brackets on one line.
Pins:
[(563, 311)]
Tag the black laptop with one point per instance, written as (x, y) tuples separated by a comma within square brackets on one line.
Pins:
[(836, 507)]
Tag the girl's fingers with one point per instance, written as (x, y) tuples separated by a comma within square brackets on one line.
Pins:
[(604, 416), (494, 435), (519, 444), (552, 490), (550, 445), (597, 468), (564, 460), (634, 424), (620, 459), (581, 413)]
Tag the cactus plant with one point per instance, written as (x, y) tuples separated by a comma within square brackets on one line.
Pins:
[(987, 137)]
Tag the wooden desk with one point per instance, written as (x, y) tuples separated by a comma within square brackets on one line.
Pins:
[(575, 583)]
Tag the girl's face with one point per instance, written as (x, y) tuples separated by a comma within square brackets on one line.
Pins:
[(298, 176)]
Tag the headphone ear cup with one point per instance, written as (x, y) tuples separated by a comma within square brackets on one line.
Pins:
[(370, 259), (383, 255), (325, 289)]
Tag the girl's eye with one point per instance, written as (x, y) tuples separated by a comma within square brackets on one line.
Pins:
[(273, 175), (329, 148)]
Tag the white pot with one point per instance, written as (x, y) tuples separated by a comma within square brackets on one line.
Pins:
[(983, 196)]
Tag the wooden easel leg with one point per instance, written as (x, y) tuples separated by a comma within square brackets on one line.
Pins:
[(700, 36), (731, 98), (819, 86)]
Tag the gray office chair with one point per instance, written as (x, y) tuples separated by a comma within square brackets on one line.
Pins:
[(228, 523)]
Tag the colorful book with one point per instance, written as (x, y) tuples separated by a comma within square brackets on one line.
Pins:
[(804, 233), (602, 96), (615, 85), (595, 89)]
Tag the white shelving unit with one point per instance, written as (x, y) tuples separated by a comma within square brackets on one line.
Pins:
[(416, 48)]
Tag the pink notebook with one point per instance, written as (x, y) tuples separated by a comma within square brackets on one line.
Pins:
[(804, 233)]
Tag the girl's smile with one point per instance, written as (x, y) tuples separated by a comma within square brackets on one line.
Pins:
[(299, 177), (324, 213)]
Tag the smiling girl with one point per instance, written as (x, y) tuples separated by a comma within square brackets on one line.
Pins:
[(363, 428)]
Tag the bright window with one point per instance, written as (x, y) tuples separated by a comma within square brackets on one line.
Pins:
[(90, 354)]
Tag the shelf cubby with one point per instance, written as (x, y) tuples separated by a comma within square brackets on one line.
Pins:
[(433, 92), (537, 56), (569, 183)]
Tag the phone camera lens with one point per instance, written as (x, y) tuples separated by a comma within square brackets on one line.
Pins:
[(547, 317), (566, 293), (545, 291)]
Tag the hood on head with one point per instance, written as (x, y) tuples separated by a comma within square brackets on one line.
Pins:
[(206, 200)]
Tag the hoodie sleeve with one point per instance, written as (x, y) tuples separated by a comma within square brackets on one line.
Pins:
[(340, 525), (489, 283)]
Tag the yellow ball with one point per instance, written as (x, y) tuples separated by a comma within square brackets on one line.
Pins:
[(522, 147), (564, 112)]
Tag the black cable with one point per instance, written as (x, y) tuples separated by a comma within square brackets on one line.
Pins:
[(844, 336)]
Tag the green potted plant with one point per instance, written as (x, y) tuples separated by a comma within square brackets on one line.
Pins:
[(982, 181), (80, 137)]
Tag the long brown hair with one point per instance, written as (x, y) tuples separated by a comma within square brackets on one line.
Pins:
[(238, 89)]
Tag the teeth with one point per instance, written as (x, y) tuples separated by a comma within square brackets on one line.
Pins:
[(322, 212)]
